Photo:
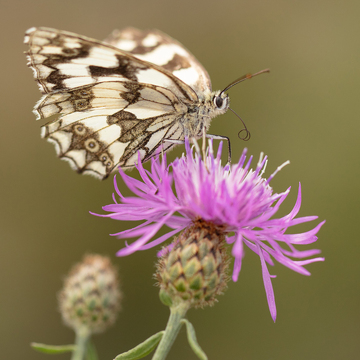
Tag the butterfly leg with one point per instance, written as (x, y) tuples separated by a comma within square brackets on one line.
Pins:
[(204, 142), (193, 140), (219, 137), (177, 142), (171, 141)]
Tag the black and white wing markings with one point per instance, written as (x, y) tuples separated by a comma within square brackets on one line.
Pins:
[(107, 115), (158, 48), (104, 125), (62, 60)]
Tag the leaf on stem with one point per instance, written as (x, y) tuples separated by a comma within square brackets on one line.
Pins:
[(52, 349), (142, 349), (193, 341), (91, 353)]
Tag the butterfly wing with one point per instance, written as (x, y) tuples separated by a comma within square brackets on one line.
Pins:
[(112, 105), (105, 125), (160, 49)]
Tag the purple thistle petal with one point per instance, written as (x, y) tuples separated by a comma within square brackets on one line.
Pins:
[(255, 249), (236, 270), (305, 237), (297, 205), (146, 223), (140, 230), (117, 188), (161, 239), (246, 168), (114, 198), (302, 220), (241, 160), (238, 253), (309, 261), (144, 174), (135, 246), (300, 254), (268, 285), (177, 222)]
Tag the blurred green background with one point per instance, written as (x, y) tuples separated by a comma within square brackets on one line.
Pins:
[(306, 111)]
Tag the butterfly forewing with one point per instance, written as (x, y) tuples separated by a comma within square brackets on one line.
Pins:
[(160, 49), (112, 104), (63, 60)]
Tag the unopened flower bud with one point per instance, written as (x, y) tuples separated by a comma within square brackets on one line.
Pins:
[(90, 299), (195, 269)]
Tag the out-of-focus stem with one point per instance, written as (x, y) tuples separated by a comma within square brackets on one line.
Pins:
[(81, 341)]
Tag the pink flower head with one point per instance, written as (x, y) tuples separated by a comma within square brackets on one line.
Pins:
[(236, 198)]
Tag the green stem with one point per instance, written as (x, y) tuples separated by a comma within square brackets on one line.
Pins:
[(81, 345), (173, 326)]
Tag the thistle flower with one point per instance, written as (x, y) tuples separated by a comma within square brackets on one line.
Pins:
[(89, 301), (238, 201)]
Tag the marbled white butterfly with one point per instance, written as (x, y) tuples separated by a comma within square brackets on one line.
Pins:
[(132, 93)]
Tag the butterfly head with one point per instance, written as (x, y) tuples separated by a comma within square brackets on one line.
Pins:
[(220, 102)]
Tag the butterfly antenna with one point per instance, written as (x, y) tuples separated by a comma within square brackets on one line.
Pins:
[(247, 135), (243, 78)]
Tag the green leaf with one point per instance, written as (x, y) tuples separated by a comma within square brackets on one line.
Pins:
[(142, 349), (52, 349), (193, 341), (91, 353)]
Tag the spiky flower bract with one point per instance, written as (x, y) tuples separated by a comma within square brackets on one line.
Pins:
[(236, 199), (193, 269)]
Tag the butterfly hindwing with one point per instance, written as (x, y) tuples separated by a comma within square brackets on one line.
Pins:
[(103, 126)]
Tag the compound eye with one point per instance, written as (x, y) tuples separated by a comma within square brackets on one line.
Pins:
[(218, 101)]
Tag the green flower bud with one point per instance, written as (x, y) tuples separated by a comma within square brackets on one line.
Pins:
[(195, 269), (90, 298)]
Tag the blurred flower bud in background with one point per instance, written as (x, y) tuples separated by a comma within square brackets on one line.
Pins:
[(90, 299)]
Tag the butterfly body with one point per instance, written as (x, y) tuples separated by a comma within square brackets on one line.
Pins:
[(134, 92), (199, 115)]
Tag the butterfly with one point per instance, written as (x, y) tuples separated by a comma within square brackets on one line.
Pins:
[(135, 94)]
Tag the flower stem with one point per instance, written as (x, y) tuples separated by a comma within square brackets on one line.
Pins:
[(173, 326), (81, 345)]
